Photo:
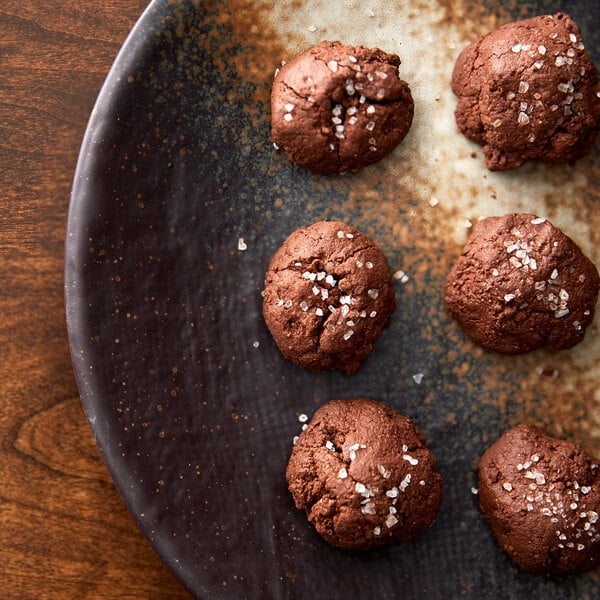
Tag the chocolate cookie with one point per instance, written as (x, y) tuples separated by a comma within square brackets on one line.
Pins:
[(337, 108), (328, 296), (521, 284), (528, 91), (364, 475), (541, 497)]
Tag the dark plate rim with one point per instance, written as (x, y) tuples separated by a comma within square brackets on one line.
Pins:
[(85, 379)]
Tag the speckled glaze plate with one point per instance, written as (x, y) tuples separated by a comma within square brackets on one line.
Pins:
[(180, 200)]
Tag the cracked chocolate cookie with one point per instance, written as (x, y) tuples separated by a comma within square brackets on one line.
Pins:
[(528, 91), (337, 108), (328, 296), (521, 284), (364, 475), (541, 498)]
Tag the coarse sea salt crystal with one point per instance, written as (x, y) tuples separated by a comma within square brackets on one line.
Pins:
[(404, 483), (385, 473), (410, 459), (401, 276), (390, 521)]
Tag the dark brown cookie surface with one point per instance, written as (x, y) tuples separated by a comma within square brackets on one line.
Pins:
[(521, 284), (364, 475), (328, 297), (541, 497), (528, 91), (336, 108)]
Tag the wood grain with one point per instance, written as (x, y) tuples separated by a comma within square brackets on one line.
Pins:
[(64, 531)]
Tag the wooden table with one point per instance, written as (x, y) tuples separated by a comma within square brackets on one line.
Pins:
[(64, 530)]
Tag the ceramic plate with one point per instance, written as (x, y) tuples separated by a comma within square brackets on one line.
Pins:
[(179, 202)]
